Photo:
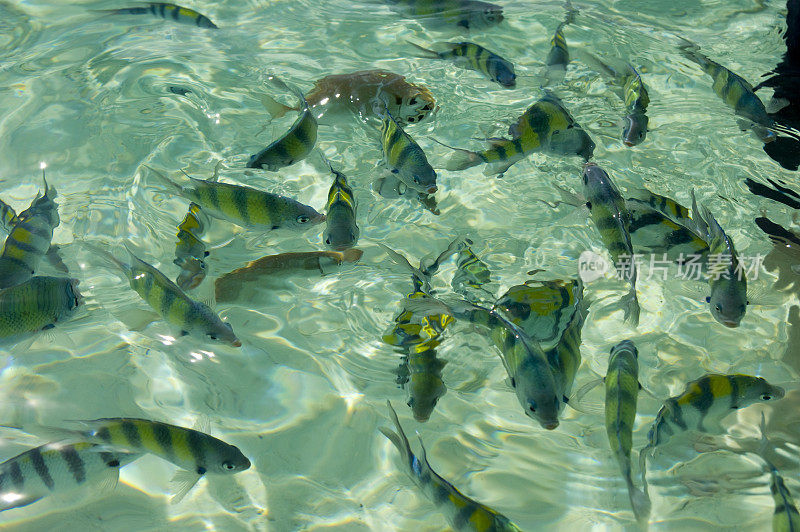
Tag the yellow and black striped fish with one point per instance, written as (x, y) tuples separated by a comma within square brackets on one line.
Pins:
[(558, 56), (29, 239), (190, 251), (546, 126), (341, 230), (565, 356), (295, 145), (38, 303), (612, 219), (57, 468), (246, 206), (622, 391), (172, 303), (468, 14), (404, 158), (471, 274), (462, 512), (177, 13), (475, 57), (636, 101)]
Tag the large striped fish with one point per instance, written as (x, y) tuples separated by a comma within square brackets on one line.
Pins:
[(29, 238), (341, 230), (58, 468), (294, 145), (462, 512), (468, 14), (38, 303), (177, 13), (404, 158), (475, 57), (172, 303), (246, 206)]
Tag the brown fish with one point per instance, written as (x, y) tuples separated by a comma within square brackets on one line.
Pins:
[(228, 286), (360, 92)]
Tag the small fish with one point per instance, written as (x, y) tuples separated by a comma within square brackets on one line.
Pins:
[(462, 512), (622, 391), (341, 230), (366, 92), (727, 279), (558, 56), (38, 303), (246, 206), (180, 91), (57, 468), (195, 452), (636, 102), (471, 273), (404, 158), (786, 517), (29, 238), (736, 92), (475, 57), (172, 303), (295, 145), (612, 219), (468, 14), (228, 286), (184, 15), (190, 251), (546, 126)]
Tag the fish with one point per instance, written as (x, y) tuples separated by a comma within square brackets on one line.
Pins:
[(736, 92), (726, 277), (228, 286), (475, 57), (471, 273), (341, 230), (702, 406), (169, 301), (245, 206), (366, 92), (558, 56), (194, 451), (57, 468), (190, 251), (622, 391), (786, 517), (404, 158), (29, 238), (467, 14), (294, 145), (38, 303), (184, 15), (565, 356), (611, 218), (545, 126), (462, 512)]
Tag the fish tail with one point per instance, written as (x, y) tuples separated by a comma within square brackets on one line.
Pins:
[(462, 159), (640, 501), (107, 257), (427, 52), (275, 108), (352, 255), (164, 179), (399, 438), (278, 82), (631, 306), (643, 465)]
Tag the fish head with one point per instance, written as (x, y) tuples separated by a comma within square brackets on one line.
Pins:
[(757, 390), (635, 129), (728, 304), (340, 236), (477, 14), (223, 332), (306, 217), (424, 179), (540, 402), (507, 78), (227, 460), (593, 176), (625, 346)]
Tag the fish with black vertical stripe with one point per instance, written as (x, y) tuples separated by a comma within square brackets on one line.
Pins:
[(462, 512), (58, 468), (404, 158), (183, 15), (169, 301), (474, 57)]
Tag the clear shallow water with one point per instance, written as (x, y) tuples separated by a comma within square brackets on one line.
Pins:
[(303, 398)]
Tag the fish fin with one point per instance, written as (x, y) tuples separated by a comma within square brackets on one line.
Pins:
[(19, 503), (275, 108), (164, 179), (700, 224), (54, 258), (640, 503), (462, 159), (571, 198), (402, 261), (643, 465), (427, 306), (202, 424), (106, 256), (183, 481), (138, 319), (427, 53), (577, 401), (108, 481), (452, 248), (423, 454), (278, 82), (398, 438), (583, 390), (352, 255), (389, 187), (630, 305)]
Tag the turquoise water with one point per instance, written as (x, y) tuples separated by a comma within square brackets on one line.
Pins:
[(303, 398)]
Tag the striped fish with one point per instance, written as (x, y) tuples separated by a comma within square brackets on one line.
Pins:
[(462, 512), (475, 57), (786, 518), (727, 279), (29, 239), (195, 452), (190, 251), (565, 357), (612, 219), (703, 405), (341, 230), (471, 273), (546, 126), (736, 92), (57, 468), (622, 391), (558, 56), (246, 206), (404, 158), (172, 303), (468, 14), (183, 15), (38, 303), (295, 145), (636, 100), (660, 225)]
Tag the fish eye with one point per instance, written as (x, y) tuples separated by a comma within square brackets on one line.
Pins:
[(412, 119), (328, 241), (765, 397), (302, 219), (532, 406), (229, 466), (212, 336), (717, 308), (416, 179)]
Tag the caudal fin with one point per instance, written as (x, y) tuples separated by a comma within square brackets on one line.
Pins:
[(275, 108), (398, 438), (462, 159), (640, 503), (630, 305), (164, 179), (426, 52)]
